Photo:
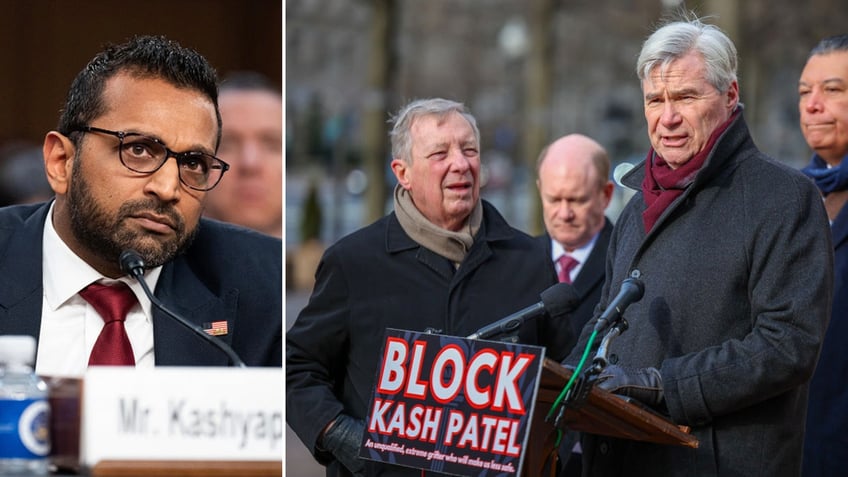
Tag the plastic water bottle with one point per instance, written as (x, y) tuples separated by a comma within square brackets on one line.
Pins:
[(24, 410)]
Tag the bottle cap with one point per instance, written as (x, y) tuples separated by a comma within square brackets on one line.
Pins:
[(17, 349)]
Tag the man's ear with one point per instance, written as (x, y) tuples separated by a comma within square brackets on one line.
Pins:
[(608, 191), (732, 96), (401, 168), (59, 153)]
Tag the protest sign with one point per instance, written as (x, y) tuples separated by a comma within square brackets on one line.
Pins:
[(452, 405)]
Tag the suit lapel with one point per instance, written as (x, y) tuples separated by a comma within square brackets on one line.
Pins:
[(21, 287), (593, 270), (183, 293)]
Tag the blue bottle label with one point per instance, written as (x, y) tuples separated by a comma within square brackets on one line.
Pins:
[(24, 428)]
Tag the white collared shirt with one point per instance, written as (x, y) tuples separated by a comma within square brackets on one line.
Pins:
[(580, 254), (69, 325)]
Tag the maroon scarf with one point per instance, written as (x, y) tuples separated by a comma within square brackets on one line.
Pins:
[(662, 184)]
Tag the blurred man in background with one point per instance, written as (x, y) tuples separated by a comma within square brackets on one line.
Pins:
[(573, 182), (823, 107), (574, 185), (252, 143)]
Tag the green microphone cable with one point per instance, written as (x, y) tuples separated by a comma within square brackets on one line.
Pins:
[(574, 375)]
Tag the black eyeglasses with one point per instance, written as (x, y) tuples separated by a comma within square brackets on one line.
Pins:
[(145, 155)]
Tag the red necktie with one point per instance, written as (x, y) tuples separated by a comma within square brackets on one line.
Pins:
[(112, 303), (566, 265)]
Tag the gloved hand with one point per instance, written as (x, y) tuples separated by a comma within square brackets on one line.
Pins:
[(342, 440), (642, 384)]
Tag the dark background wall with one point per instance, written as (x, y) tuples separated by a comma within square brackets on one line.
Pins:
[(44, 43)]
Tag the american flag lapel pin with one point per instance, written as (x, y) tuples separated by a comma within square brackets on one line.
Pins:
[(216, 328)]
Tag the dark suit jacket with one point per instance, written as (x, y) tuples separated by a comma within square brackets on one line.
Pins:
[(827, 413), (228, 273), (588, 283)]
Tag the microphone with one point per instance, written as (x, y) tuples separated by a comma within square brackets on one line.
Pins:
[(133, 265), (556, 300), (631, 292)]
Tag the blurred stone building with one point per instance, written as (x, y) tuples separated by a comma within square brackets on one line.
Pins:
[(529, 70)]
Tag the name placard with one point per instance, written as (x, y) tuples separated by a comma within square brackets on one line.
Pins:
[(182, 413)]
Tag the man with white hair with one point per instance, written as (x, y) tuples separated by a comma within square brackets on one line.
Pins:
[(735, 257), (443, 260)]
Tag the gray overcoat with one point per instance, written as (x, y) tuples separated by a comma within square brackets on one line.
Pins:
[(738, 276)]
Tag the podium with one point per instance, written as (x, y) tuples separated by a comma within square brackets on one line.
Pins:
[(462, 406), (602, 413)]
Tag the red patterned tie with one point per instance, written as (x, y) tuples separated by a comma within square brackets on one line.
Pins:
[(566, 265), (112, 303)]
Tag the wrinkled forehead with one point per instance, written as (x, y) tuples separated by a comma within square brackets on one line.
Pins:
[(438, 128), (682, 74)]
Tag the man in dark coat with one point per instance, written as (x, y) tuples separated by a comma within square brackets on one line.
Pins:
[(734, 253), (572, 175), (444, 260), (823, 105), (575, 190)]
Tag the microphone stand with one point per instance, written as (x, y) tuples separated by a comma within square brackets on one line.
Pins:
[(556, 300), (509, 324), (601, 357), (631, 291), (584, 384)]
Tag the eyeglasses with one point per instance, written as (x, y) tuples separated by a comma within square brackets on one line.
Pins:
[(145, 155)]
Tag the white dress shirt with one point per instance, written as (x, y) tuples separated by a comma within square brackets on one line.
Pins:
[(580, 254), (69, 325)]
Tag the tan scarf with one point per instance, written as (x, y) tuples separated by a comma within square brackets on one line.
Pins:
[(451, 245)]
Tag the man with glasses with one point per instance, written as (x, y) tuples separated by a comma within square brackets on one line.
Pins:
[(131, 110)]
